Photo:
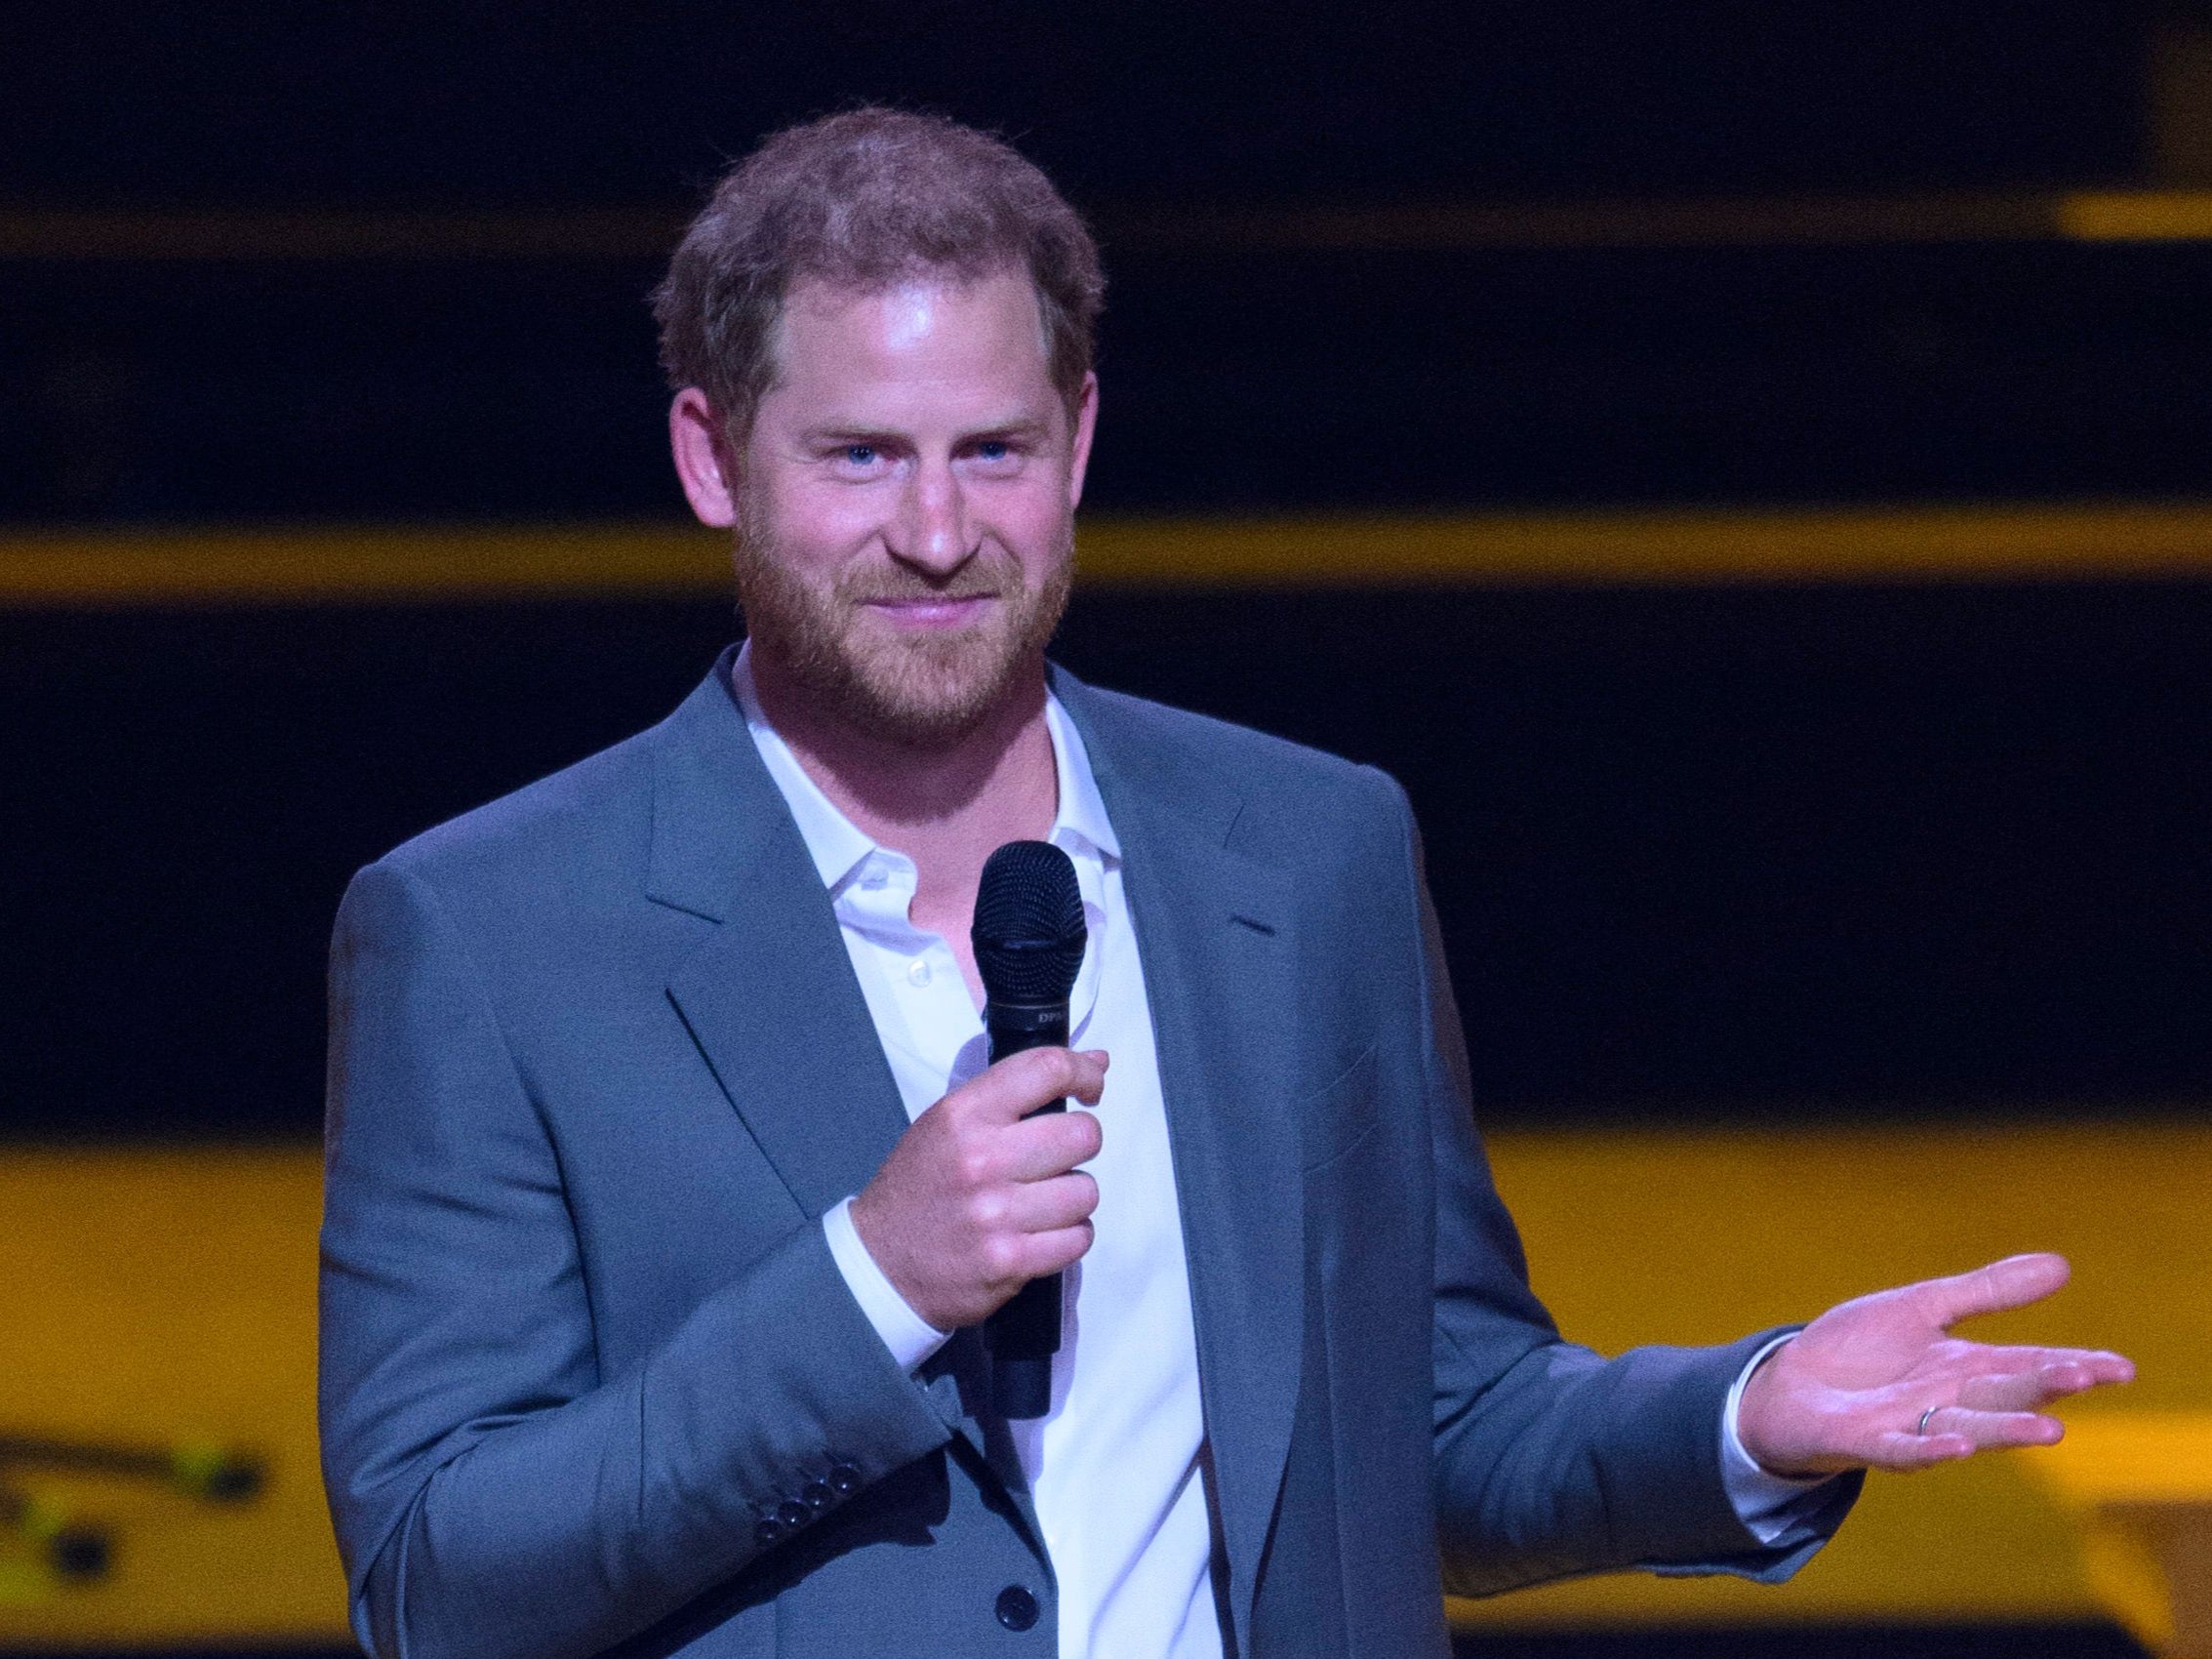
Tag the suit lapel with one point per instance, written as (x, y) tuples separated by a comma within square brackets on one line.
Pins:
[(1213, 931), (770, 996), (771, 1000)]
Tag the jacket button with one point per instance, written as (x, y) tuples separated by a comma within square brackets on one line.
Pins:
[(795, 1514), (844, 1479), (768, 1531), (1017, 1608), (817, 1497)]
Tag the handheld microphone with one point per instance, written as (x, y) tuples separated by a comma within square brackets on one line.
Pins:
[(1028, 935)]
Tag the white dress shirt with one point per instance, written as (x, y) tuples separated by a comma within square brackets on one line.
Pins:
[(1114, 1467)]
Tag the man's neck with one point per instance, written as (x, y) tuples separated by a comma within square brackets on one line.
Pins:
[(948, 808)]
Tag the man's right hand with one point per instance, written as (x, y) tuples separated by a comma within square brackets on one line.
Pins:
[(978, 1198)]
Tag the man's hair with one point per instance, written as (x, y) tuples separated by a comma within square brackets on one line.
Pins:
[(866, 200)]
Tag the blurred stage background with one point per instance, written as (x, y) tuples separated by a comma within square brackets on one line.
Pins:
[(1745, 468)]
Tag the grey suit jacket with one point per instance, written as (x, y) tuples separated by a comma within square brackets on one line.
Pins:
[(590, 1379)]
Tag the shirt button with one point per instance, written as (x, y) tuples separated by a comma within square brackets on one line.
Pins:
[(917, 972), (872, 879), (793, 1515), (1017, 1608)]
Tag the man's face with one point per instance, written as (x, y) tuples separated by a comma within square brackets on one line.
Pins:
[(905, 502)]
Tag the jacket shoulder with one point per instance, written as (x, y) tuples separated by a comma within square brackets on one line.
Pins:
[(591, 819), (1274, 774)]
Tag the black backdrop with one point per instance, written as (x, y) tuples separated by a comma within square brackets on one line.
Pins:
[(477, 101)]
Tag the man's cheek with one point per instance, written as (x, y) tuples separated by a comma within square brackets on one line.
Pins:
[(820, 521), (1034, 531)]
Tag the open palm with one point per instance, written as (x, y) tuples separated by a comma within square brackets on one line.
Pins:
[(1879, 1381)]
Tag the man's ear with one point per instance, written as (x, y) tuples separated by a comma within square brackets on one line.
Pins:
[(1086, 423), (703, 459)]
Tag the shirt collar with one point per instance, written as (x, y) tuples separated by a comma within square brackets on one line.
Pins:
[(839, 847), (835, 841), (1082, 813)]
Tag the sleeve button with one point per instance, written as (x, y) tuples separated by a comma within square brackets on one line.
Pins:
[(795, 1514), (768, 1531), (817, 1497), (844, 1479)]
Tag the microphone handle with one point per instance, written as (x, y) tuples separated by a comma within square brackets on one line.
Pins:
[(1024, 1334)]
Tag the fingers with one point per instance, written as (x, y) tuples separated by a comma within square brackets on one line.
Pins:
[(1901, 1451), (1043, 1206), (2096, 1368), (2023, 1391), (1054, 1252), (1019, 1085), (1987, 1430), (2013, 1282), (1954, 1432), (992, 1122), (978, 1197), (1036, 1228), (1044, 1147), (2047, 1375), (2098, 1364)]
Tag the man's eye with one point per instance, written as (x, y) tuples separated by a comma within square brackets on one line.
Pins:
[(991, 448), (860, 455)]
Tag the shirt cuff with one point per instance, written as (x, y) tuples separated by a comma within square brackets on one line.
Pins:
[(911, 1338), (1772, 1506)]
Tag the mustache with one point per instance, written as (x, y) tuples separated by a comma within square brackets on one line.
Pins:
[(919, 592), (883, 587)]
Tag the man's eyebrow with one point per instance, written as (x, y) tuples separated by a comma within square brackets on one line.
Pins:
[(1019, 427), (857, 432), (843, 432)]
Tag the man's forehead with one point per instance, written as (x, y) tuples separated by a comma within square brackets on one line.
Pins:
[(928, 314), (910, 313)]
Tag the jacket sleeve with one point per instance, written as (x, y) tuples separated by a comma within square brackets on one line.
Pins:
[(493, 1493), (1551, 1460)]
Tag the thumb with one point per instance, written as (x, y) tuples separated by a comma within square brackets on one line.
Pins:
[(2013, 1282)]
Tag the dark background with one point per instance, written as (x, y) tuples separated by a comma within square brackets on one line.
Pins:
[(415, 383), (486, 105)]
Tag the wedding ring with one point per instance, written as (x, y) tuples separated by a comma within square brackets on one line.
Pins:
[(1922, 1427)]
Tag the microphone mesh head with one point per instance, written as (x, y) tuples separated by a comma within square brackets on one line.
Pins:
[(1028, 931)]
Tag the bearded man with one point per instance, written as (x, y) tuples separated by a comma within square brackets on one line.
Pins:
[(667, 1184)]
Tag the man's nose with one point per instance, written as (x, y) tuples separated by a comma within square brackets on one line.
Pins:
[(931, 528)]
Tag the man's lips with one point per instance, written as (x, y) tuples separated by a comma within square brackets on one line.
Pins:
[(936, 610)]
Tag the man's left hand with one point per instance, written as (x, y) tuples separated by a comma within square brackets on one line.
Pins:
[(1879, 1382)]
